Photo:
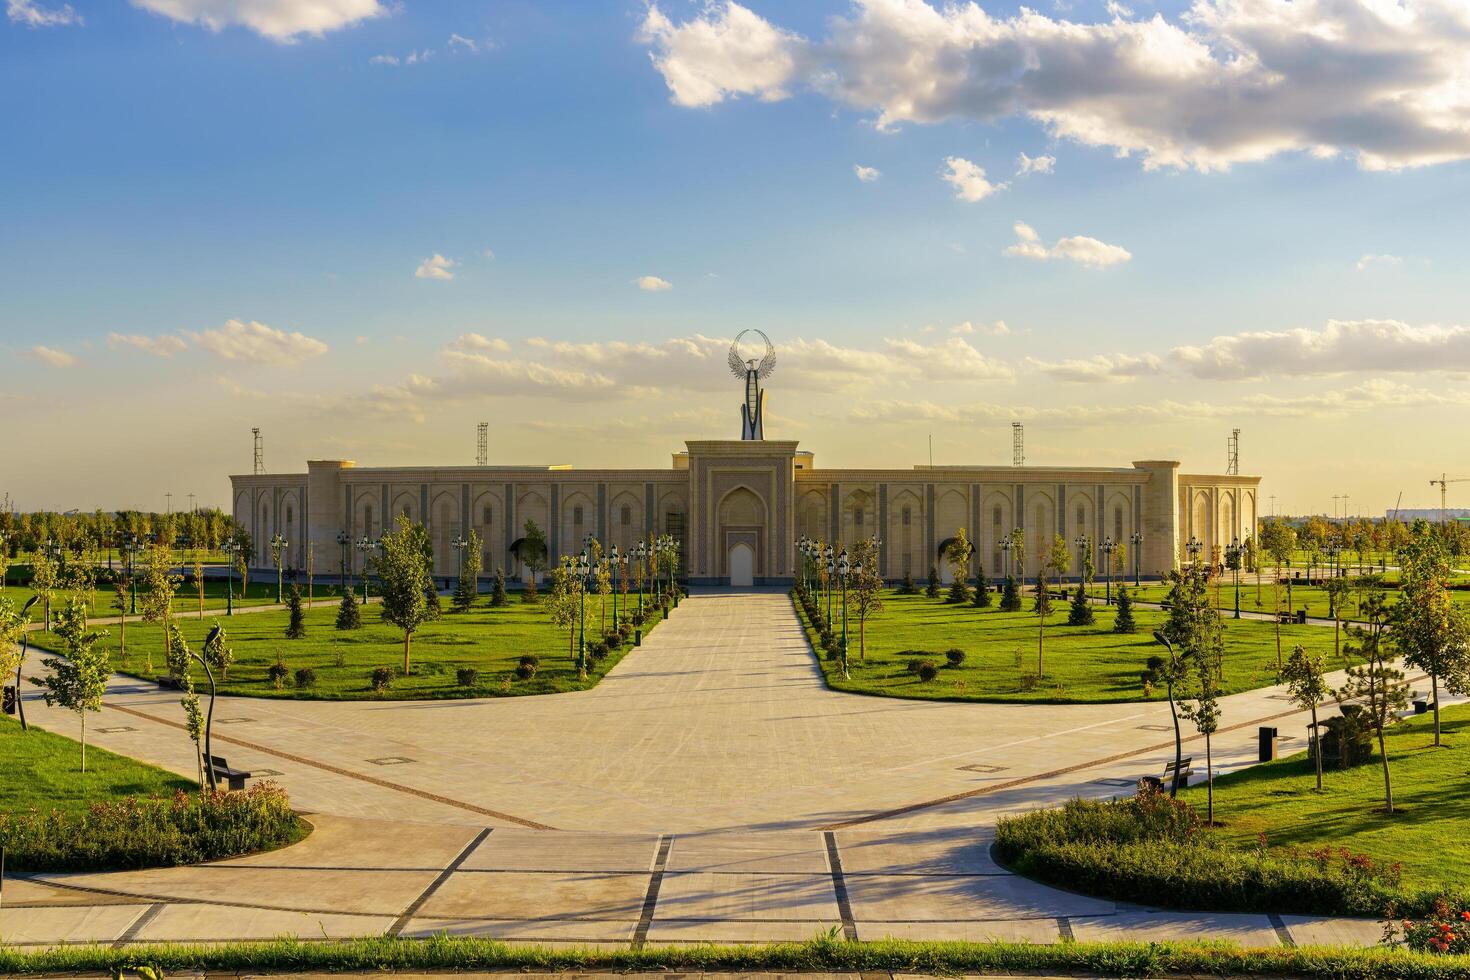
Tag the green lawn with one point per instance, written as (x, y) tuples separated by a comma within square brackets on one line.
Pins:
[(261, 592), (490, 640), (1082, 664), (1309, 597), (1430, 835), (43, 770)]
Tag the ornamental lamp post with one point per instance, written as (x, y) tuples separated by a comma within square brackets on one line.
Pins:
[(583, 578), (1108, 547), (616, 558), (1232, 558), (843, 570), (231, 547), (278, 547), (1137, 540), (344, 540), (460, 544), (830, 559), (1005, 555), (637, 555), (131, 547), (1082, 543), (1193, 547), (364, 546)]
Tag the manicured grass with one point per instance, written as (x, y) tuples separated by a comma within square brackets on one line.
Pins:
[(1429, 836), (43, 770), (1082, 663), (260, 593), (822, 955), (1312, 598), (490, 640)]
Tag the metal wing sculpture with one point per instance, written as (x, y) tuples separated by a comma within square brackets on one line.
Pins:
[(752, 372)]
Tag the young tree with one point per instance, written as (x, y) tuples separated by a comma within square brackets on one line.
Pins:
[(497, 591), (1305, 677), (217, 651), (1089, 566), (158, 600), (958, 553), (1376, 684), (296, 627), (564, 603), (865, 590), (1278, 539), (1080, 613), (403, 567), (467, 585), (78, 679), (533, 555), (198, 571), (1010, 596), (1428, 628), (179, 659), (13, 625), (310, 575), (349, 616), (120, 604), (932, 589), (1195, 630), (45, 577), (1123, 622)]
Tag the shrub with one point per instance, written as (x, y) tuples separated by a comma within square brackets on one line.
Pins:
[(1010, 597), (1080, 612), (467, 677), (636, 619), (305, 677), (955, 657), (1155, 850), (932, 589), (982, 598), (296, 626), (497, 591), (277, 672), (613, 641), (349, 616), (1444, 930), (598, 650), (525, 671), (959, 592), (907, 586), (530, 660), (826, 637), (188, 828), (928, 671), (1123, 621), (382, 678)]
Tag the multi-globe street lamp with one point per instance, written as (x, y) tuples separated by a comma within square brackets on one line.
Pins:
[(461, 544), (584, 578), (278, 549), (130, 548), (615, 560), (829, 560), (1005, 554), (365, 545), (637, 556), (1137, 542), (1193, 546), (231, 547), (1083, 542), (844, 568), (1108, 547), (344, 540), (1233, 560)]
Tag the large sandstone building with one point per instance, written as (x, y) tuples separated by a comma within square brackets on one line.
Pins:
[(738, 506)]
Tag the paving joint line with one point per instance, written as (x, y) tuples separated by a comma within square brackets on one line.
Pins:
[(139, 924), (434, 885), (1064, 929), (338, 770), (655, 882), (839, 888), (1282, 933)]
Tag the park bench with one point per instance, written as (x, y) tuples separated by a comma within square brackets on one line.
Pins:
[(169, 682), (1160, 783), (1289, 618), (234, 778)]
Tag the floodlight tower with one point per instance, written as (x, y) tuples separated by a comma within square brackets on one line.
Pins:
[(1018, 444), (482, 445), (1232, 454), (259, 451)]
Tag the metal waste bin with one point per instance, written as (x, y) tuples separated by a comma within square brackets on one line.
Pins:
[(9, 699), (1267, 739)]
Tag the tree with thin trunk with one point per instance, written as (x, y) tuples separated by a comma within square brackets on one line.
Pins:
[(403, 568), (563, 604), (1305, 677), (532, 553), (865, 589), (120, 603), (1058, 558), (1199, 638), (198, 571), (1376, 685), (467, 585), (958, 553), (1428, 628), (160, 584), (45, 577), (78, 679), (1278, 539), (13, 625)]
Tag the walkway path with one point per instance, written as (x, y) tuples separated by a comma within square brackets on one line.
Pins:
[(710, 787)]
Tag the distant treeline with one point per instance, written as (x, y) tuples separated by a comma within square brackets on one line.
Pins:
[(100, 531)]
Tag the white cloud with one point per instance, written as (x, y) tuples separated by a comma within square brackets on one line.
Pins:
[(725, 52), (488, 254), (996, 329), (1077, 248), (466, 43), (52, 356), (1101, 368), (27, 12), (436, 266), (968, 180), (653, 284), (479, 342), (1034, 165), (164, 345), (1369, 261), (393, 60), (1340, 346), (1225, 82), (866, 174), (383, 59), (258, 343), (279, 20)]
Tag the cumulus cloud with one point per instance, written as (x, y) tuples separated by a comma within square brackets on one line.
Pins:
[(1101, 368), (279, 20), (652, 284), (1077, 248), (436, 266), (1225, 82), (727, 51), (460, 42), (1034, 165), (52, 356), (393, 60), (968, 180), (996, 329), (30, 14), (1339, 347), (165, 345), (257, 343), (1369, 261), (866, 174), (475, 341)]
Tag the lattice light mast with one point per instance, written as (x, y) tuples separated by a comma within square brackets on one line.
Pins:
[(753, 370), (1232, 454), (482, 444), (1018, 444), (259, 451)]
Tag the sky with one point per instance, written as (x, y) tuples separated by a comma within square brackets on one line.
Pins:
[(366, 226)]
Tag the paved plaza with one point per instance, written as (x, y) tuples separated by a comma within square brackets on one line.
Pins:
[(709, 789)]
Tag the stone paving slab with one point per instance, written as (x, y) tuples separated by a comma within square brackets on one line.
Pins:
[(354, 843), (1142, 927), (21, 892), (790, 852), (777, 897), (737, 931), (538, 895), (1319, 930), (198, 923), (1041, 930), (86, 924), (962, 851), (518, 849), (525, 930), (898, 898)]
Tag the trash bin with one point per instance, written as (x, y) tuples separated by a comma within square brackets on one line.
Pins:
[(9, 699), (1267, 739), (1420, 706)]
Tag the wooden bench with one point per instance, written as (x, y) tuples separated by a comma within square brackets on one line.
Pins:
[(234, 778), (169, 682), (1159, 784)]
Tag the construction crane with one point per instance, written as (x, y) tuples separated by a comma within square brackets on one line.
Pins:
[(1443, 482)]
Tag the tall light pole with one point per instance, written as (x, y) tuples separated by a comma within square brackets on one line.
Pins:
[(278, 549), (365, 545), (637, 555), (344, 541), (131, 546), (1108, 547), (829, 557), (843, 569), (1081, 542), (1232, 557), (1193, 547), (584, 579), (1137, 540), (1005, 558), (461, 545), (230, 548)]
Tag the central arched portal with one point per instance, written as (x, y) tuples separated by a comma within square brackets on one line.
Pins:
[(742, 565)]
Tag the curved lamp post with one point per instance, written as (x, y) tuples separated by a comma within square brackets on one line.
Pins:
[(1178, 742)]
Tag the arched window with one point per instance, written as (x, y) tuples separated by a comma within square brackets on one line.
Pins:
[(857, 517), (367, 520), (1081, 518), (290, 516), (625, 516), (908, 516), (577, 514), (485, 515), (1118, 524)]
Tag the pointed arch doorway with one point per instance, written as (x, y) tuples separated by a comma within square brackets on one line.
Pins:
[(742, 565)]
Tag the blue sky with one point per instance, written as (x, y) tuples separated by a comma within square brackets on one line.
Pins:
[(162, 178)]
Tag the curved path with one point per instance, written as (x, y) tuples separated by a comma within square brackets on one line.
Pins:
[(710, 788)]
